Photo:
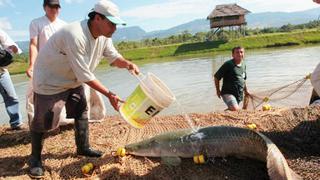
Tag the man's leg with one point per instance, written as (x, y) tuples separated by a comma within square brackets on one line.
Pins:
[(11, 100), (35, 164), (314, 97), (47, 109), (231, 102), (76, 107)]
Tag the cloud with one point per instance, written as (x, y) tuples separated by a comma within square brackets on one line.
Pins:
[(170, 9), (6, 2), (74, 1), (18, 35), (5, 23), (200, 9), (13, 33), (276, 5)]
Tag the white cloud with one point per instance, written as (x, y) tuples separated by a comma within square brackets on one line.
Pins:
[(6, 2), (14, 34), (74, 1), (18, 35), (5, 23), (200, 9), (276, 5), (170, 9)]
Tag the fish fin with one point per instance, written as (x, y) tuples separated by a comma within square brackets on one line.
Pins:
[(171, 161), (277, 165)]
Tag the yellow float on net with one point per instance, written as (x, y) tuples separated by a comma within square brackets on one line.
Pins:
[(308, 76), (252, 126), (199, 159), (121, 152), (87, 168), (266, 99), (266, 107)]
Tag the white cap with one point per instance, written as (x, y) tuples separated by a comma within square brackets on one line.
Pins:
[(110, 10)]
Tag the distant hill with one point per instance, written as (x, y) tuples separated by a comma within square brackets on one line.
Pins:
[(254, 20), (194, 26), (129, 33), (24, 45), (277, 19)]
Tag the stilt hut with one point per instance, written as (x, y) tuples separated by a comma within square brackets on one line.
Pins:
[(227, 15)]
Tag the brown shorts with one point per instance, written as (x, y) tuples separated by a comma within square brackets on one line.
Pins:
[(47, 108)]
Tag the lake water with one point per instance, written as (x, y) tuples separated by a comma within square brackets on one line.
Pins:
[(190, 79)]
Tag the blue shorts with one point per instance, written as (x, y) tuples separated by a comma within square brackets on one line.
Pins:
[(230, 100)]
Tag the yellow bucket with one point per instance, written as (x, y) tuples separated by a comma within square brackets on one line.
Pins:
[(147, 100)]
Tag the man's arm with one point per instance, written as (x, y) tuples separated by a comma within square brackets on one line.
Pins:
[(217, 83), (113, 98), (245, 88), (123, 63), (33, 52)]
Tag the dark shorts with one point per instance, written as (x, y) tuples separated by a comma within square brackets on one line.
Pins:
[(47, 108), (230, 100)]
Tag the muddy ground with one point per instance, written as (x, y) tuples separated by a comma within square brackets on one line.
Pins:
[(295, 131)]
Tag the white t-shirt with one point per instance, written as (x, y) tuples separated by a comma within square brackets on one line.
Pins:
[(315, 79), (69, 57), (42, 28), (5, 42)]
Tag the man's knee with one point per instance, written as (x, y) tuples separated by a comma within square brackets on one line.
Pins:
[(76, 107), (234, 108)]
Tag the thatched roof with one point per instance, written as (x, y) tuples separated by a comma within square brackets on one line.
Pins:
[(227, 10)]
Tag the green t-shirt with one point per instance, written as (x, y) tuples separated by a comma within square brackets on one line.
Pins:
[(234, 77)]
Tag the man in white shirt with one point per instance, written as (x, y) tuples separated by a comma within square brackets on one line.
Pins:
[(62, 67), (41, 29), (7, 90)]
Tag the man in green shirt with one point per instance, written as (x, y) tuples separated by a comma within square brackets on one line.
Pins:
[(233, 73)]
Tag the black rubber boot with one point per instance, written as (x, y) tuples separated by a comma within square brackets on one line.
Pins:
[(82, 139), (35, 164)]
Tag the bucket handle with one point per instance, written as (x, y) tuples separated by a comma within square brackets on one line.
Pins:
[(140, 78)]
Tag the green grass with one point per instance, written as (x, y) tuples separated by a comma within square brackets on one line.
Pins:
[(300, 37), (250, 42)]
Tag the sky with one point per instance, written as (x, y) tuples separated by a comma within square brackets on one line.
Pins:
[(150, 15)]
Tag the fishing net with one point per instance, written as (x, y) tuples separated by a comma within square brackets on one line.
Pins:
[(294, 94)]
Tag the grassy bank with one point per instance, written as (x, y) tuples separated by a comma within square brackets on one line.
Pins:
[(250, 42)]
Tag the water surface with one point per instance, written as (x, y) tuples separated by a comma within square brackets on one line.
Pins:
[(190, 79)]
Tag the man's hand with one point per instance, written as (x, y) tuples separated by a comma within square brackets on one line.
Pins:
[(114, 100), (133, 69), (13, 49), (123, 63), (219, 94), (29, 71), (316, 1)]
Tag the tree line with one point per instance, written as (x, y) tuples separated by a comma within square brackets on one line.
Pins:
[(221, 35)]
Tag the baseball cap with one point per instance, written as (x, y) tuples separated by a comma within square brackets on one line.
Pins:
[(51, 2), (109, 10)]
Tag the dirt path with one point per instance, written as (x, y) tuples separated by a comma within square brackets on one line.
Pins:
[(295, 131)]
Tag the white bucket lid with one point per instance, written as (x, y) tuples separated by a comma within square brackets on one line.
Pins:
[(157, 90)]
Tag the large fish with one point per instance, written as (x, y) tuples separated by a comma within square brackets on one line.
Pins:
[(216, 141)]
